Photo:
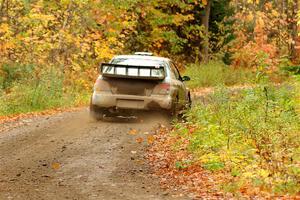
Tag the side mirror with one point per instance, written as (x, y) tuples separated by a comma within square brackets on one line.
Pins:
[(186, 78)]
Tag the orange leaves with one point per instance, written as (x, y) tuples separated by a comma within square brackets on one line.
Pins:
[(143, 137), (192, 130), (139, 140), (259, 50), (204, 2), (55, 166), (132, 132), (165, 155), (150, 139)]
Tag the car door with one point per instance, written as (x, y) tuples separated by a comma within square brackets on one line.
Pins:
[(181, 89)]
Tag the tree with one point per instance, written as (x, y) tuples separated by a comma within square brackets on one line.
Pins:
[(295, 47), (205, 22)]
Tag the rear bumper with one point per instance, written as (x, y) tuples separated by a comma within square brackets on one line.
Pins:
[(153, 102)]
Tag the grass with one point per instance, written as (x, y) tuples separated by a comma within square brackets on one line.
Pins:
[(47, 91), (217, 73), (250, 136)]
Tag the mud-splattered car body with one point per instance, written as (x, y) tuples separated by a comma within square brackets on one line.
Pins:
[(139, 82)]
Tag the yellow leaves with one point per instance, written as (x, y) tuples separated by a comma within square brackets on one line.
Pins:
[(95, 36), (263, 173), (6, 40), (204, 2), (150, 139), (66, 2), (103, 51), (250, 17), (275, 13), (251, 1), (4, 28), (85, 47), (179, 19), (112, 40), (68, 37), (55, 166), (41, 17), (35, 18), (111, 30), (260, 22), (106, 49), (132, 132)]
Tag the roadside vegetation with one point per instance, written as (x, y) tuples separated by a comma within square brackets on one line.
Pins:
[(24, 91), (50, 51), (66, 40), (217, 73), (251, 136)]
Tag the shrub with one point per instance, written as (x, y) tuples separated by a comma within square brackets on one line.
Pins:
[(10, 73), (292, 69), (251, 135), (45, 91), (217, 73)]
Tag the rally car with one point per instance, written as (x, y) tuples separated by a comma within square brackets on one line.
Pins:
[(139, 82)]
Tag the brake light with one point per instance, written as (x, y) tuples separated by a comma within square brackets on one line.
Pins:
[(163, 88)]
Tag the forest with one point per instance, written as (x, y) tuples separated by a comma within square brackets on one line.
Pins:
[(59, 44), (50, 51)]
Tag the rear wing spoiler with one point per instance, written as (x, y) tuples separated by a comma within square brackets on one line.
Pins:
[(133, 72)]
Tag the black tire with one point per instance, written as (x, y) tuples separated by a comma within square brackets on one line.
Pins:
[(187, 107), (177, 112), (189, 104), (175, 109)]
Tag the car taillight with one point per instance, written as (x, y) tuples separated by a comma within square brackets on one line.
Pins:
[(101, 86), (163, 88)]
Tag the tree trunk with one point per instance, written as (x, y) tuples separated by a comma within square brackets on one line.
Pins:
[(205, 22), (295, 47)]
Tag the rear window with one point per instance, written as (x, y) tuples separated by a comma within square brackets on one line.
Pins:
[(134, 68)]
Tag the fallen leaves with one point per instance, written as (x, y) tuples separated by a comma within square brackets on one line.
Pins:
[(139, 140), (143, 137), (191, 179), (132, 132), (150, 139), (55, 166)]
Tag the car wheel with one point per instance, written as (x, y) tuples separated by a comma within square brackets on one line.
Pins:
[(189, 103), (175, 108), (178, 113)]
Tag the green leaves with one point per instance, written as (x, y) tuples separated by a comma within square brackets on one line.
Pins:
[(251, 133)]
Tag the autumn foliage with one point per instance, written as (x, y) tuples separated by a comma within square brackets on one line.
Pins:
[(241, 143)]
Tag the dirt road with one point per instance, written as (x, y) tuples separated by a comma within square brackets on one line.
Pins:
[(67, 156)]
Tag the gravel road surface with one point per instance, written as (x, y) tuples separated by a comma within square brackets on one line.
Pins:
[(68, 156)]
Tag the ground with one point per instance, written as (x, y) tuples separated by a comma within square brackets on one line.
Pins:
[(68, 156)]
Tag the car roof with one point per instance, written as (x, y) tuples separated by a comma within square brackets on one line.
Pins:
[(150, 58)]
